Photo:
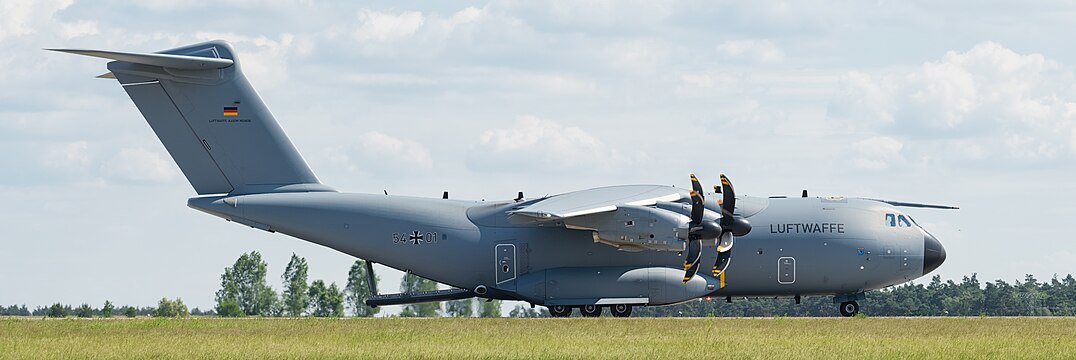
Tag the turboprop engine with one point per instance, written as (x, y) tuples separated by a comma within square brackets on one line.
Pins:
[(637, 228)]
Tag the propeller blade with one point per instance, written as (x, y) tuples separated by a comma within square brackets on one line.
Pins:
[(722, 263), (729, 222), (727, 240), (696, 202), (694, 255), (728, 201), (695, 185)]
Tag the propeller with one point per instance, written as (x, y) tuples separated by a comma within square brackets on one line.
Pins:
[(731, 225), (699, 229)]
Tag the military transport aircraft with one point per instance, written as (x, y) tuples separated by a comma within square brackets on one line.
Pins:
[(613, 247)]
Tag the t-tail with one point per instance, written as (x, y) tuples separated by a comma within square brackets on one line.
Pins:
[(210, 119)]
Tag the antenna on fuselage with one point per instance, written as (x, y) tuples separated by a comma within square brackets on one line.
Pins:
[(445, 195), (519, 197), (804, 193)]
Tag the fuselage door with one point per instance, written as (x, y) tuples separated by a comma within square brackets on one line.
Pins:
[(786, 270), (506, 262)]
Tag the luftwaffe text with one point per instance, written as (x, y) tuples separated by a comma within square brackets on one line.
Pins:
[(808, 228)]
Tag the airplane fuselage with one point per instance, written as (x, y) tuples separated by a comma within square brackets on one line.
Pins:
[(799, 246)]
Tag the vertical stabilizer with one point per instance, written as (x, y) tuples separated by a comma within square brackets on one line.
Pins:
[(213, 123)]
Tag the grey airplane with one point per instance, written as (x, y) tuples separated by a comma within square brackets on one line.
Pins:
[(613, 247)]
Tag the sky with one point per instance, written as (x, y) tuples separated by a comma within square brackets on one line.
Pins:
[(967, 103)]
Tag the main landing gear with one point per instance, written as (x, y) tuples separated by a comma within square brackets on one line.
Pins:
[(618, 310), (560, 311), (590, 310), (849, 308)]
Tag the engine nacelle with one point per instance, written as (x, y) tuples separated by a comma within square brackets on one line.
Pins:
[(636, 228)]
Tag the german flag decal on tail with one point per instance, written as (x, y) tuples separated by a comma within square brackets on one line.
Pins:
[(231, 111)]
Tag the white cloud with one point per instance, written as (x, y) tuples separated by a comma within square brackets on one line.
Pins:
[(77, 29), (559, 84), (1006, 104), (1073, 140), (541, 143), (264, 60), (705, 84), (418, 35), (379, 26), (465, 16), (876, 153), (170, 5), (864, 101), (386, 79), (139, 165), (68, 156), (20, 18), (610, 12), (751, 50), (638, 55), (386, 151)]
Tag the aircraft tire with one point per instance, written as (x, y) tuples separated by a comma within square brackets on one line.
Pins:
[(590, 310), (849, 308), (620, 310), (560, 311)]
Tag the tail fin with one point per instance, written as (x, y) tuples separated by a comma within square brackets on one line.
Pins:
[(210, 119)]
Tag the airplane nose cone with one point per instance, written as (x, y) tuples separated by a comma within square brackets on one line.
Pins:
[(933, 253)]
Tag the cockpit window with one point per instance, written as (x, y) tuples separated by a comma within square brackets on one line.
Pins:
[(898, 220)]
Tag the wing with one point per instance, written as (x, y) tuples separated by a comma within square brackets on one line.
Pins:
[(599, 200)]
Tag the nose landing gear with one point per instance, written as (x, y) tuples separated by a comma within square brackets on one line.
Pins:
[(849, 306)]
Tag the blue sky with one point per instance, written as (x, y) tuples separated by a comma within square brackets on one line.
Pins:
[(969, 103)]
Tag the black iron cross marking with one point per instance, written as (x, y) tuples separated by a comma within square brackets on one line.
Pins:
[(416, 237)]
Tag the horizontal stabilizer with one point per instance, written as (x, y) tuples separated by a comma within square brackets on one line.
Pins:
[(916, 205), (183, 62)]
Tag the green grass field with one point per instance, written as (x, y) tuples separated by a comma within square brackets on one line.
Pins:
[(637, 338)]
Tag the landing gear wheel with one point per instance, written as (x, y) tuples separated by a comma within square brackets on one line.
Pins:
[(620, 310), (591, 310), (849, 308), (560, 311)]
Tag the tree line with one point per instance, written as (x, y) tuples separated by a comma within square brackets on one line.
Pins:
[(969, 297), (165, 308), (244, 291)]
